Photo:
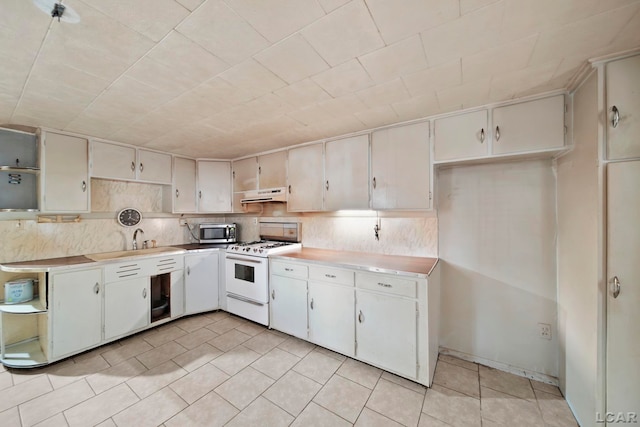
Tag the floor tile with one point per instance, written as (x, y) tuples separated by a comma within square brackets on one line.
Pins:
[(69, 373), (224, 325), (236, 360), (161, 354), (244, 387), (164, 334), (509, 410), (275, 363), (264, 342), (343, 397), (193, 323), (229, 340), (396, 402), (130, 348), (57, 420), (47, 405), (369, 418), (154, 379), (217, 316), (316, 416), (115, 375), (411, 385), (20, 376), (101, 407), (251, 328), (332, 354), (196, 338), (452, 407), (292, 392), (193, 386), (297, 346), (193, 359), (152, 411), (429, 421), (14, 396), (317, 366), (359, 372), (547, 388), (506, 383), (555, 411), (96, 351), (261, 413), (210, 411), (457, 378), (10, 417), (107, 423), (458, 362), (6, 380)]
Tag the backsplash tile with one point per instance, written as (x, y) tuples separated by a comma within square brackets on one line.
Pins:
[(111, 196)]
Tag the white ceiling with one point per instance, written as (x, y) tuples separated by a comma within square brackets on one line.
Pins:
[(226, 78)]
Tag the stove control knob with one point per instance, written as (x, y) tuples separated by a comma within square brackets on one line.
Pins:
[(261, 250), (255, 249)]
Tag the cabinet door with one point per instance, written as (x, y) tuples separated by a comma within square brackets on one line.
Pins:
[(289, 305), (623, 93), (113, 161), (272, 170), (386, 332), (154, 167), (245, 174), (331, 319), (529, 126), (127, 306), (201, 282), (185, 185), (400, 167), (76, 311), (347, 173), (66, 173), (214, 186), (306, 176), (461, 137)]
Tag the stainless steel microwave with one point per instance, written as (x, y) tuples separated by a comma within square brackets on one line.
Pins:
[(217, 233)]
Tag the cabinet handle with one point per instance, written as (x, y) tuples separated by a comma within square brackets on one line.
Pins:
[(289, 188), (133, 166), (616, 116), (188, 271), (327, 185), (199, 194), (481, 135), (616, 286), (330, 276), (311, 305), (96, 288), (288, 269), (384, 285), (273, 294), (84, 186), (141, 167), (374, 182), (144, 293), (177, 193), (360, 317), (259, 170), (497, 133)]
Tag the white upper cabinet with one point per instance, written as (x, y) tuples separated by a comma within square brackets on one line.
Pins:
[(623, 108), (347, 173), (66, 173), (214, 186), (184, 188), (529, 126), (306, 176), (113, 161), (400, 167), (272, 170), (245, 174), (154, 167), (462, 136)]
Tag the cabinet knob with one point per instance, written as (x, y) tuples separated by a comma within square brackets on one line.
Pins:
[(273, 294), (616, 286), (177, 193), (199, 194), (327, 185), (188, 271), (289, 188), (497, 133), (616, 116), (141, 167), (133, 166), (84, 186), (360, 317), (481, 135), (374, 182), (311, 305), (144, 293), (96, 288)]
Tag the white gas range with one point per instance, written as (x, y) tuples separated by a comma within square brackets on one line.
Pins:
[(247, 269)]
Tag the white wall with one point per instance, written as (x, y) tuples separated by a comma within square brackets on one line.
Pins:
[(578, 210), (497, 239)]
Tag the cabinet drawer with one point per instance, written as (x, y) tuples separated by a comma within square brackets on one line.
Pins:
[(387, 284), (167, 264), (125, 270), (291, 270), (333, 275)]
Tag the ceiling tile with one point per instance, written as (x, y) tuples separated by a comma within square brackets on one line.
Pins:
[(267, 127), (507, 85), (337, 126), (253, 78), (399, 20), (149, 127), (378, 116), (190, 4), (130, 97), (417, 107), (292, 59), (384, 94), (343, 106), (311, 115), (472, 33), (57, 112), (344, 34), (509, 57), (344, 79), (231, 120), (222, 32), (276, 19), (303, 93), (329, 5), (467, 6), (395, 60), (152, 18), (439, 77), (268, 107), (219, 91), (472, 93), (62, 74), (160, 77), (628, 37)]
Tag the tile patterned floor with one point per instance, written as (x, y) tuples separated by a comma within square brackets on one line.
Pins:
[(215, 369)]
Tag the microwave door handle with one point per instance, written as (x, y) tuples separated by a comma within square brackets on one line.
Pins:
[(227, 232)]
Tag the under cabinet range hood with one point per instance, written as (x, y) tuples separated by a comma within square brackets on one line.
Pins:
[(266, 195)]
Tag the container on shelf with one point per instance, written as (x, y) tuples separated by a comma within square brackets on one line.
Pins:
[(18, 291)]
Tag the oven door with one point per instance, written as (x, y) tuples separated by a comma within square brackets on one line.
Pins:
[(248, 277)]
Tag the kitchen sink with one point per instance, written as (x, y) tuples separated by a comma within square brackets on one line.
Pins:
[(105, 256)]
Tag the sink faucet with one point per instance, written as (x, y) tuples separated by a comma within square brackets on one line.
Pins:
[(135, 237)]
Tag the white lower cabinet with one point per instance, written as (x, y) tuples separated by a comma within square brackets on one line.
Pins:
[(127, 307), (76, 311), (201, 282), (289, 305), (331, 321)]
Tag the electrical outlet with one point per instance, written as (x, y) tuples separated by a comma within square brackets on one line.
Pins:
[(544, 330), (255, 221), (183, 221)]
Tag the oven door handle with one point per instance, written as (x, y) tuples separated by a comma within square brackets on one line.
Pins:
[(244, 260), (243, 299)]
